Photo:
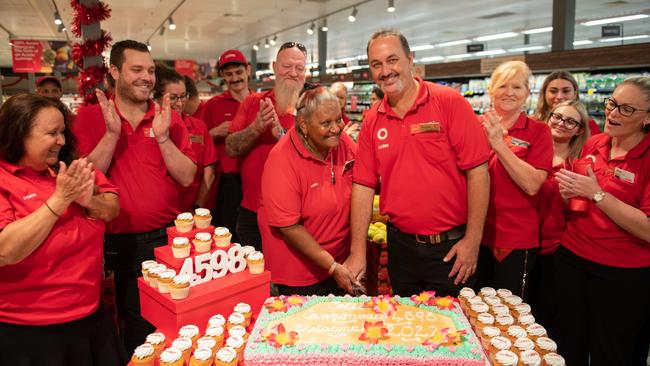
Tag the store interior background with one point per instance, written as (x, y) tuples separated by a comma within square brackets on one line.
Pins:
[(205, 28)]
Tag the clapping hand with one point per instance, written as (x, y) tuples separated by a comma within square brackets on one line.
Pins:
[(162, 120), (75, 183), (491, 122), (111, 118)]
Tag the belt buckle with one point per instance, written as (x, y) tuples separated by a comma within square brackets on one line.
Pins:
[(430, 239)]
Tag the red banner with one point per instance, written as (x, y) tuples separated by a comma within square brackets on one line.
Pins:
[(186, 67), (26, 55), (30, 55)]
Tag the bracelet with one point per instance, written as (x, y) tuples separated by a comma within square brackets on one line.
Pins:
[(332, 268), (51, 210), (163, 141)]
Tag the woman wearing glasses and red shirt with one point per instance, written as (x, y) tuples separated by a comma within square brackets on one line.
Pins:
[(604, 257)]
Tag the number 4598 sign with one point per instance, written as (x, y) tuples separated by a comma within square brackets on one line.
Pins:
[(216, 264)]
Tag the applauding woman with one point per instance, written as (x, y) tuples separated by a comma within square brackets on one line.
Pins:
[(52, 214)]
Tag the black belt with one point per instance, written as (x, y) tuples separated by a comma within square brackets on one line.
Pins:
[(451, 234), (153, 234)]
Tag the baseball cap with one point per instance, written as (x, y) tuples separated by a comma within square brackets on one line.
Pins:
[(45, 78), (230, 57)]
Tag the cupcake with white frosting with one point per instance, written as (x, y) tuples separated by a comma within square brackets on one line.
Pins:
[(255, 262), (181, 247), (179, 288), (222, 237), (143, 355), (190, 331), (530, 358), (505, 358), (154, 274), (201, 357), (164, 279), (202, 218), (202, 242), (184, 222), (553, 359), (171, 357), (146, 265), (184, 345), (226, 356), (157, 340)]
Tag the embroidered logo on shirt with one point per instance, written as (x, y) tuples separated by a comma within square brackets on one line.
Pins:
[(196, 139), (383, 146), (314, 185), (382, 134), (29, 196), (148, 132), (227, 114)]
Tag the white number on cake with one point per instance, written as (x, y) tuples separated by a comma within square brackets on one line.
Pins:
[(237, 261), (219, 263), (213, 265)]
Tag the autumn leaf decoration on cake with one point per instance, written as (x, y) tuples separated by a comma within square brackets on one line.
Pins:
[(447, 338), (424, 298), (374, 332), (276, 304), (295, 301), (444, 303), (278, 337), (383, 304)]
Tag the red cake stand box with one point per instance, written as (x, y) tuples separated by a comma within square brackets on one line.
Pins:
[(218, 296), (172, 233)]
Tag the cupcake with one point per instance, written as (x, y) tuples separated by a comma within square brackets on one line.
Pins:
[(215, 320), (144, 355), (477, 308), (463, 297), (238, 331), (236, 343), (154, 274), (524, 344), (201, 357), (505, 358), (526, 320), (487, 333), (207, 342), (216, 333), (180, 287), (515, 332), (181, 247), (236, 319), (226, 357), (512, 301), (244, 309), (521, 309), (202, 242), (503, 321), (491, 300), (483, 320), (184, 222), (164, 279), (553, 359), (500, 309), (255, 262), (222, 237), (499, 343), (202, 218), (535, 331), (157, 340), (189, 331), (171, 357), (247, 250), (146, 265), (545, 345), (184, 345), (487, 291), (530, 358), (503, 293)]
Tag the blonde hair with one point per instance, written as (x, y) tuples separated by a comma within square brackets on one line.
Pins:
[(577, 141), (508, 71)]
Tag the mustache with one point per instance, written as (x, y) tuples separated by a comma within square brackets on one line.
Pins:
[(392, 74), (236, 82)]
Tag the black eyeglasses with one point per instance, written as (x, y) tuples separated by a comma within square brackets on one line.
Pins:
[(288, 45), (174, 98), (624, 109), (568, 122)]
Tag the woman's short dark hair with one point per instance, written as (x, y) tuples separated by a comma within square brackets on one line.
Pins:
[(164, 76), (17, 117), (190, 87)]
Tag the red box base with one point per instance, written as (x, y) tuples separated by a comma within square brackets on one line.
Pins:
[(172, 233), (205, 300)]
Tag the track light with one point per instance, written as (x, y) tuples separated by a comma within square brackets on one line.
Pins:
[(352, 17), (266, 43), (57, 18), (273, 40), (391, 6), (256, 46), (325, 28), (172, 25), (61, 28), (148, 46), (310, 30), (162, 30)]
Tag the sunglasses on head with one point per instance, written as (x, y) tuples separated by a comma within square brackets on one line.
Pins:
[(298, 45)]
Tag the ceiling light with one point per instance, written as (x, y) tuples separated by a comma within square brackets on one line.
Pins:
[(615, 20), (422, 47), (527, 48), (538, 30), (391, 6), (583, 42), (148, 46), (162, 30), (627, 38), (455, 57), (432, 58), (266, 43), (57, 18), (453, 43), (492, 37), (273, 40), (310, 30), (256, 46), (352, 17), (172, 25), (61, 28), (325, 28), (498, 51)]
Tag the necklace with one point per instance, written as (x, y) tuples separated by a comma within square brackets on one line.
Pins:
[(306, 143)]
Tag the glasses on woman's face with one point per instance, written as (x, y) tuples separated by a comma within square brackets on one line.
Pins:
[(173, 98), (568, 122), (288, 45), (624, 109)]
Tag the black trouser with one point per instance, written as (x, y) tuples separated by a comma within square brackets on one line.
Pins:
[(322, 288), (229, 197), (542, 293), (415, 267), (247, 229), (124, 254), (604, 313), (512, 273), (87, 341)]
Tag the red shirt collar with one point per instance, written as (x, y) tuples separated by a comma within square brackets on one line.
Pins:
[(521, 122), (301, 149), (604, 146), (151, 110), (422, 98), (13, 169)]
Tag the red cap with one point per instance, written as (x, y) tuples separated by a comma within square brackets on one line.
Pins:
[(45, 78), (230, 57)]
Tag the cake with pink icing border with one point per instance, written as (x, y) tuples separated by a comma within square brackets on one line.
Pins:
[(381, 330)]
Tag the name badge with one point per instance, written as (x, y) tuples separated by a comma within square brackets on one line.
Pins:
[(196, 139), (148, 132), (624, 175), (425, 127), (518, 142), (348, 165)]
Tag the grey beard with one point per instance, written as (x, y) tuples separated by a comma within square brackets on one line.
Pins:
[(286, 97)]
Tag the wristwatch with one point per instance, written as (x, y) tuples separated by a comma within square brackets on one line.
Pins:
[(598, 196)]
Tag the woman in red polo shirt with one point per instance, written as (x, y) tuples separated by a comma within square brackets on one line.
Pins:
[(604, 257), (558, 87), (567, 121), (52, 214), (305, 207), (521, 159)]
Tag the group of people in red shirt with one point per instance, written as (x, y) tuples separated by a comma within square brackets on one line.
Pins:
[(469, 199)]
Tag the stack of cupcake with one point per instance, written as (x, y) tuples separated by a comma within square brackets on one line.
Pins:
[(165, 280), (507, 329), (222, 344)]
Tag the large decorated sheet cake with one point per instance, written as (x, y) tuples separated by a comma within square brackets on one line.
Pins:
[(382, 330)]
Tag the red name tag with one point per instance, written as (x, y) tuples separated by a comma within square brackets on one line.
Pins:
[(196, 139)]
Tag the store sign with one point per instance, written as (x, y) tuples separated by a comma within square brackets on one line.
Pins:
[(489, 64), (475, 47), (610, 31), (30, 55)]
